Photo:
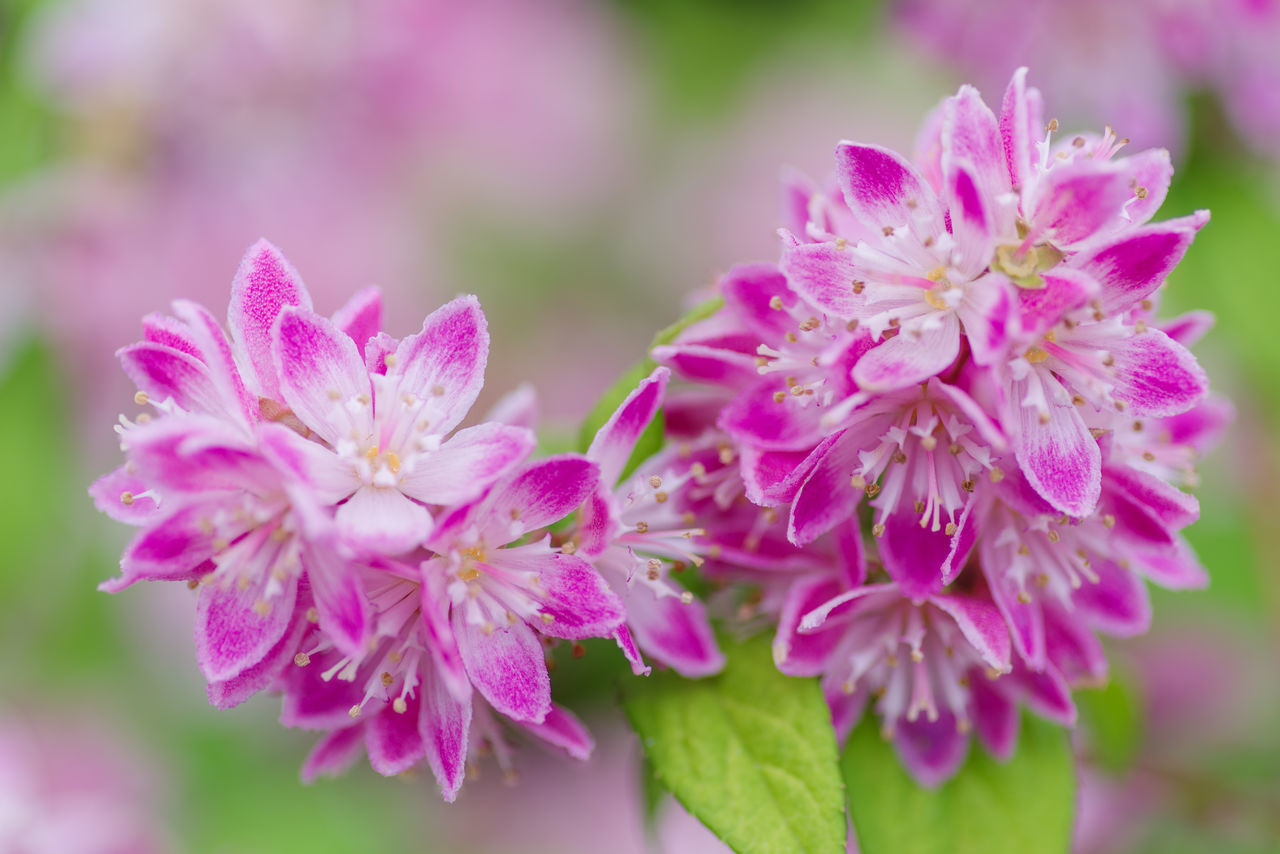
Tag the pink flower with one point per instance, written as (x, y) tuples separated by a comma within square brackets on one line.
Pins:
[(636, 535), (348, 546), (967, 341)]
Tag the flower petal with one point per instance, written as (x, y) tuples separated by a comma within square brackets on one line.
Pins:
[(572, 594), (616, 438), (932, 751), (826, 498), (340, 598), (175, 548), (797, 654), (234, 691), (383, 519), (1132, 267), (361, 317), (907, 358), (467, 464), (757, 418), (507, 667), (749, 293), (265, 283), (883, 189), (1117, 603), (1059, 457), (320, 371), (1064, 289), (541, 493), (393, 739), (1021, 118), (982, 626), (333, 754), (675, 633), (1156, 376), (162, 373), (446, 731), (443, 365), (995, 716), (913, 555), (563, 730), (119, 494), (823, 275), (1073, 201), (237, 627)]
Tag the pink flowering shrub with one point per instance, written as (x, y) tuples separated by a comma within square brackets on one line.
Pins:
[(965, 345), (938, 448)]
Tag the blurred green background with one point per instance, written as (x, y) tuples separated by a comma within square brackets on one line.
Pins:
[(716, 95)]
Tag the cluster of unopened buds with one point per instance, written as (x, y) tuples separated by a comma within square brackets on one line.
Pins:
[(967, 342)]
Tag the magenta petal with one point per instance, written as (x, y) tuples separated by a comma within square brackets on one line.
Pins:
[(446, 730), (631, 652), (465, 466), (797, 654), (1060, 458), (1166, 503), (265, 283), (340, 599), (771, 478), (1020, 127), (114, 494), (972, 217), (561, 729), (823, 275), (172, 333), (1156, 376), (321, 372), (705, 364), (333, 754), (913, 556), (313, 702), (573, 593), (995, 716), (962, 542), (1072, 647), (932, 751), (675, 633), (443, 365), (749, 294), (970, 134), (261, 676), (1151, 170), (1074, 200), (232, 633), (507, 667), (328, 478), (1189, 328), (1046, 694), (597, 524), (393, 738), (516, 408), (1064, 289), (756, 418), (907, 359), (826, 498), (361, 317), (163, 373), (883, 189), (383, 519), (1117, 603), (434, 608), (616, 438), (1176, 568), (1025, 619), (212, 342), (1131, 268), (541, 493), (982, 625), (172, 550)]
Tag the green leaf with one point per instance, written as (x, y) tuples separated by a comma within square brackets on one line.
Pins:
[(1112, 719), (1023, 806), (650, 442), (751, 752)]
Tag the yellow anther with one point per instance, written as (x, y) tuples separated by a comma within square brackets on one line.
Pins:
[(400, 706), (387, 678), (950, 529), (141, 398), (655, 481), (126, 498), (877, 530), (1035, 355), (686, 597), (354, 711), (302, 659)]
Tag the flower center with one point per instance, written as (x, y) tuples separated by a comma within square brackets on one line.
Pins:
[(1024, 264)]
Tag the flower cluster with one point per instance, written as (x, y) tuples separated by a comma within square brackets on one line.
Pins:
[(397, 578), (957, 355)]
